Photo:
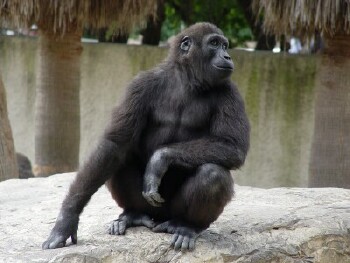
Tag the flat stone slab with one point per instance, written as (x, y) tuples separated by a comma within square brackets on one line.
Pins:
[(259, 225)]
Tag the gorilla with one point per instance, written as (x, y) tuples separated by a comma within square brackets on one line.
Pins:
[(165, 156)]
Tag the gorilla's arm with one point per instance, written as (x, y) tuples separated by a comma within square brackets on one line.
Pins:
[(89, 178), (120, 135), (226, 146)]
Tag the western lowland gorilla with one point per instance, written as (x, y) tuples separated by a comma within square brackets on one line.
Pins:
[(166, 154)]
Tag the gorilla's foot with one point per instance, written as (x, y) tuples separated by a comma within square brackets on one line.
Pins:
[(129, 219), (184, 237)]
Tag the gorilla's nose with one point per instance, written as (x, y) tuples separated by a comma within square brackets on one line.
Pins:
[(227, 57)]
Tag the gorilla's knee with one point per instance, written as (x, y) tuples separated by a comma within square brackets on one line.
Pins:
[(216, 181)]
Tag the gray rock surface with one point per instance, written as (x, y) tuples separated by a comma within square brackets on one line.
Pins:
[(259, 225)]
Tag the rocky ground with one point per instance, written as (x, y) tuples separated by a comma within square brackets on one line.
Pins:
[(259, 225)]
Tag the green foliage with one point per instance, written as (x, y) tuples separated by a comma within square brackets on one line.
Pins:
[(172, 23), (226, 14)]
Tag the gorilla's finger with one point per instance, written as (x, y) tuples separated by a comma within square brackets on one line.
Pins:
[(171, 229), (45, 245), (153, 199), (58, 243), (111, 229), (121, 227), (149, 199), (54, 241), (185, 243), (191, 244), (178, 242), (161, 227), (114, 227), (147, 221), (157, 197), (154, 203), (174, 239)]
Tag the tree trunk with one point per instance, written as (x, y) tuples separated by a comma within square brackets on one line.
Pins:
[(8, 163), (264, 41), (152, 32), (330, 154), (116, 37), (57, 109)]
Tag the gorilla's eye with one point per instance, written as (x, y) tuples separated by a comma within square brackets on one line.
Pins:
[(185, 43), (225, 46), (214, 42)]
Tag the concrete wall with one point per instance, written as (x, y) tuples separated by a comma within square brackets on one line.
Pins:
[(278, 91)]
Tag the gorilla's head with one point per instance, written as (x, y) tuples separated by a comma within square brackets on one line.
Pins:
[(201, 50)]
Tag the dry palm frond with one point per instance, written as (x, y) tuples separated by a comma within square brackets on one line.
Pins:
[(304, 17), (65, 15)]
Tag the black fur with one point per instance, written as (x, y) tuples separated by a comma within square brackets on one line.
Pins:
[(24, 166), (167, 152)]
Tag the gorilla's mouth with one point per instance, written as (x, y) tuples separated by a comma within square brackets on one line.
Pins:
[(224, 67)]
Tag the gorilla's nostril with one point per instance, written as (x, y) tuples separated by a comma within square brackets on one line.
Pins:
[(227, 57)]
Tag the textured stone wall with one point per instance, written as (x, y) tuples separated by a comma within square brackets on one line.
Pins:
[(278, 90)]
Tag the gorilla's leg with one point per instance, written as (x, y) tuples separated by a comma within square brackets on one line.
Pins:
[(126, 190), (199, 202)]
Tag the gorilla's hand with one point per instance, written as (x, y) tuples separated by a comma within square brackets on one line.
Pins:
[(153, 197), (156, 168), (65, 227)]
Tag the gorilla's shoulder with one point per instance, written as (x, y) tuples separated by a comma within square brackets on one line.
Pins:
[(147, 80), (157, 73)]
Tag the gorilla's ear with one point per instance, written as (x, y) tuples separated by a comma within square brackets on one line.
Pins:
[(185, 43)]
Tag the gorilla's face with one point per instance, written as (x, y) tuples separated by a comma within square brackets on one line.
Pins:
[(214, 47), (207, 56)]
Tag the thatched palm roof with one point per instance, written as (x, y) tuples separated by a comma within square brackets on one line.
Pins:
[(63, 15), (304, 17)]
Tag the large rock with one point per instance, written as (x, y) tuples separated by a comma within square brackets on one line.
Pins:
[(259, 225)]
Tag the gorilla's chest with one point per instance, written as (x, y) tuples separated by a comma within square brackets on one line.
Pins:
[(176, 119), (183, 116)]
